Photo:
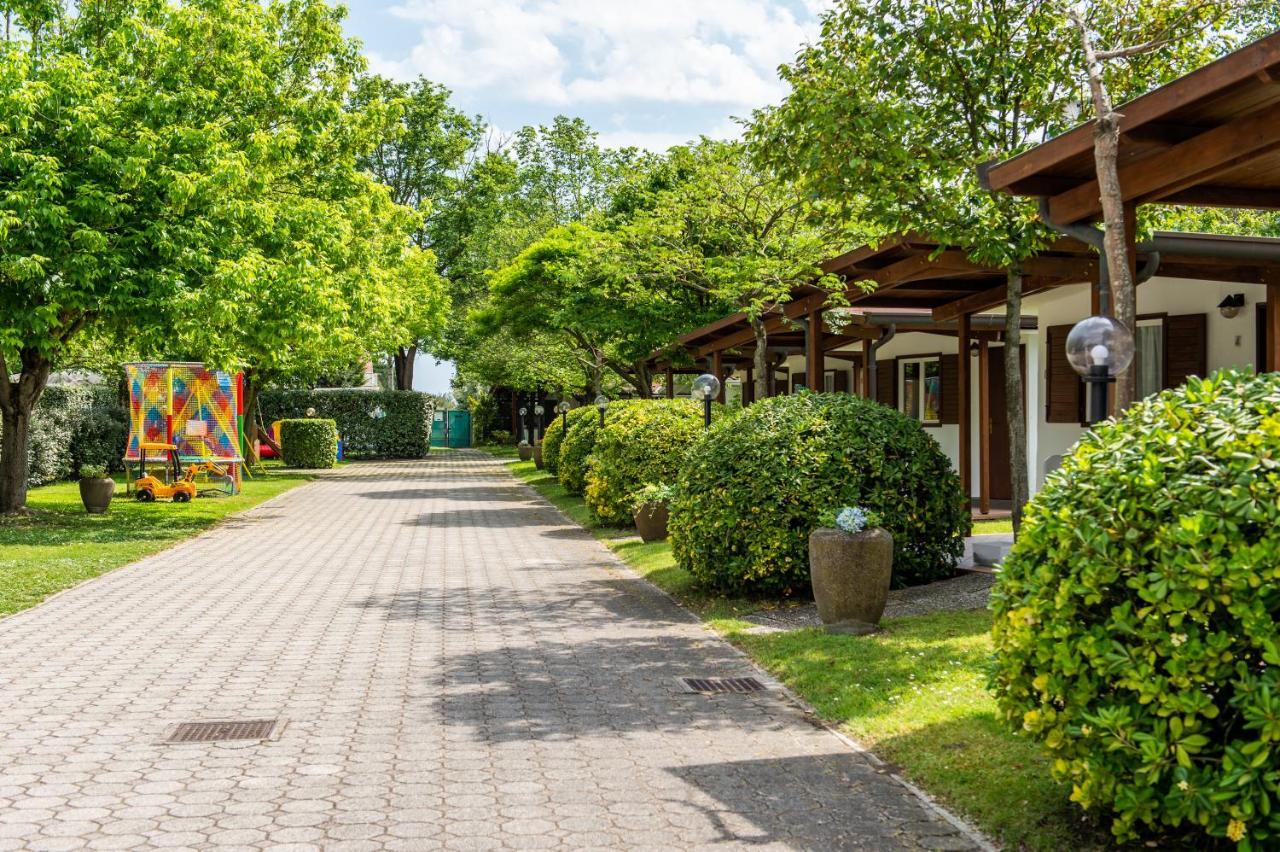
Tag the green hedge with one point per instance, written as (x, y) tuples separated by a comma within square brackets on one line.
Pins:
[(553, 437), (576, 447), (1137, 619), (641, 444), (753, 488), (403, 433), (310, 443), (74, 425)]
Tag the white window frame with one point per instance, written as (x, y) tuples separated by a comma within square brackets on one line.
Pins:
[(918, 415), (1155, 322)]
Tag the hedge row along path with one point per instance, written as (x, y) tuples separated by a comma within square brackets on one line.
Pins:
[(456, 665)]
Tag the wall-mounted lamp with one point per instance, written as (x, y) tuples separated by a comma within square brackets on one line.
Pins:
[(1230, 307)]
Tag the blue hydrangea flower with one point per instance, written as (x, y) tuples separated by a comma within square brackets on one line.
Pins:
[(852, 519)]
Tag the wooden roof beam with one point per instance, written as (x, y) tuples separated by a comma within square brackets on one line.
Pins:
[(1180, 167), (996, 296)]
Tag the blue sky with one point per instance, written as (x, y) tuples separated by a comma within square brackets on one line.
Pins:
[(651, 73)]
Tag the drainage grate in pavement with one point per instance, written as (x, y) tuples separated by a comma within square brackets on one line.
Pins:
[(721, 685), (213, 732)]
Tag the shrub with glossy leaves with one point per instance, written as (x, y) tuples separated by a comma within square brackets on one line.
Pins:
[(310, 443), (575, 448), (753, 488), (642, 443), (553, 438), (1136, 619)]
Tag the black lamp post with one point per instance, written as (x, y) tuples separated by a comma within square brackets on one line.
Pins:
[(706, 387), (563, 408), (537, 421), (524, 424), (602, 402), (1099, 348)]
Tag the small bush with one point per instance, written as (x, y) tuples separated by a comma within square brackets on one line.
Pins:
[(404, 431), (1137, 619), (500, 437), (309, 443), (93, 471), (102, 432), (753, 487), (553, 437), (641, 443), (74, 425), (576, 447)]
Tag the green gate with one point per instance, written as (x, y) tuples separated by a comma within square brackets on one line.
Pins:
[(451, 429)]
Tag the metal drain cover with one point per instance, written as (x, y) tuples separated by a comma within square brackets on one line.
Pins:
[(721, 685), (214, 732)]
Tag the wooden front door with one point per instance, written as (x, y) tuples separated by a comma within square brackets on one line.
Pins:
[(1001, 481)]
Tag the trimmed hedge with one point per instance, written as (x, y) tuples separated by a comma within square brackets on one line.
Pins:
[(754, 486), (310, 443), (403, 433), (1137, 619), (576, 447), (641, 444), (553, 438), (74, 425)]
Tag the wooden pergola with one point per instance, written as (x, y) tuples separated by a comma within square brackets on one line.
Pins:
[(1210, 139), (921, 286)]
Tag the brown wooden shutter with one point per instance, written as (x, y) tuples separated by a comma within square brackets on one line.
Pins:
[(842, 381), (1186, 348), (949, 372), (1064, 397), (887, 382)]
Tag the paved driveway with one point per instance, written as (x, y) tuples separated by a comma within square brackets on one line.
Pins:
[(455, 666)]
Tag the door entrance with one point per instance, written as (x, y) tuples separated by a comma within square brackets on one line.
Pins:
[(998, 459)]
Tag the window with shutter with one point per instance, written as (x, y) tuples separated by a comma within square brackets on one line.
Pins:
[(887, 382), (1064, 397), (1186, 348)]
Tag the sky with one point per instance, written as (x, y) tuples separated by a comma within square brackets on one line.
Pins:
[(648, 73)]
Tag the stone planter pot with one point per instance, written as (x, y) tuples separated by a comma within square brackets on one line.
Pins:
[(537, 457), (96, 495), (651, 521), (850, 575), (526, 452)]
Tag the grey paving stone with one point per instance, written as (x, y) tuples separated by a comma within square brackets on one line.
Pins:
[(457, 667)]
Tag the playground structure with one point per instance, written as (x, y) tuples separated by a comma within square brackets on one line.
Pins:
[(198, 411)]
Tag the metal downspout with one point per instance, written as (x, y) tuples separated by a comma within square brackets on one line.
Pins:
[(875, 347)]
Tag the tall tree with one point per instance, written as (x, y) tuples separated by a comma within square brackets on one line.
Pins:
[(151, 150), (421, 161)]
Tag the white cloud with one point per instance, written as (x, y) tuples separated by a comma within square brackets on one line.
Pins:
[(558, 52), (660, 140)]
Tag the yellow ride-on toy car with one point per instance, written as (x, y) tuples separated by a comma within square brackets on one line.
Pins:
[(148, 488)]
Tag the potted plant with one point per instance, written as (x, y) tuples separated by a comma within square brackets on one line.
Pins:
[(537, 455), (526, 450), (96, 488), (850, 566), (649, 509)]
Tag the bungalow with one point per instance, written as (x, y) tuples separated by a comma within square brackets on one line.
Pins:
[(929, 338)]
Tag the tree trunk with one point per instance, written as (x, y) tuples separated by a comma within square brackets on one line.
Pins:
[(403, 359), (763, 371), (1106, 149), (17, 402), (1014, 408), (250, 419), (643, 379)]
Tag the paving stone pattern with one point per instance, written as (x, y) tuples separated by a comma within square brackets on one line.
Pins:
[(457, 667)]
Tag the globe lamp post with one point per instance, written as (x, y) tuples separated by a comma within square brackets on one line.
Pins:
[(1099, 348), (706, 387)]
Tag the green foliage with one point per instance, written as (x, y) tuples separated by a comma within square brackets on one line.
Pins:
[(74, 425), (577, 445), (1135, 619), (403, 431), (641, 443), (651, 494), (500, 437), (309, 443), (93, 471), (552, 438), (753, 488)]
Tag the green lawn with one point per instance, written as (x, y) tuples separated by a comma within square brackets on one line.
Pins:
[(61, 545), (915, 693)]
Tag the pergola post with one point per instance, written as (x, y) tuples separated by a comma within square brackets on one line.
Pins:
[(717, 370), (966, 406), (813, 358), (984, 428), (1273, 327), (749, 387), (671, 383), (867, 391)]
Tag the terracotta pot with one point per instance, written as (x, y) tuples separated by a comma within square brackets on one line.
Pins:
[(850, 575), (651, 521), (526, 452), (537, 457), (96, 494)]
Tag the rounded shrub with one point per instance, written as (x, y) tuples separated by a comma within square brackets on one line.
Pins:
[(576, 446), (310, 443), (753, 488), (1136, 618), (643, 443), (553, 438)]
